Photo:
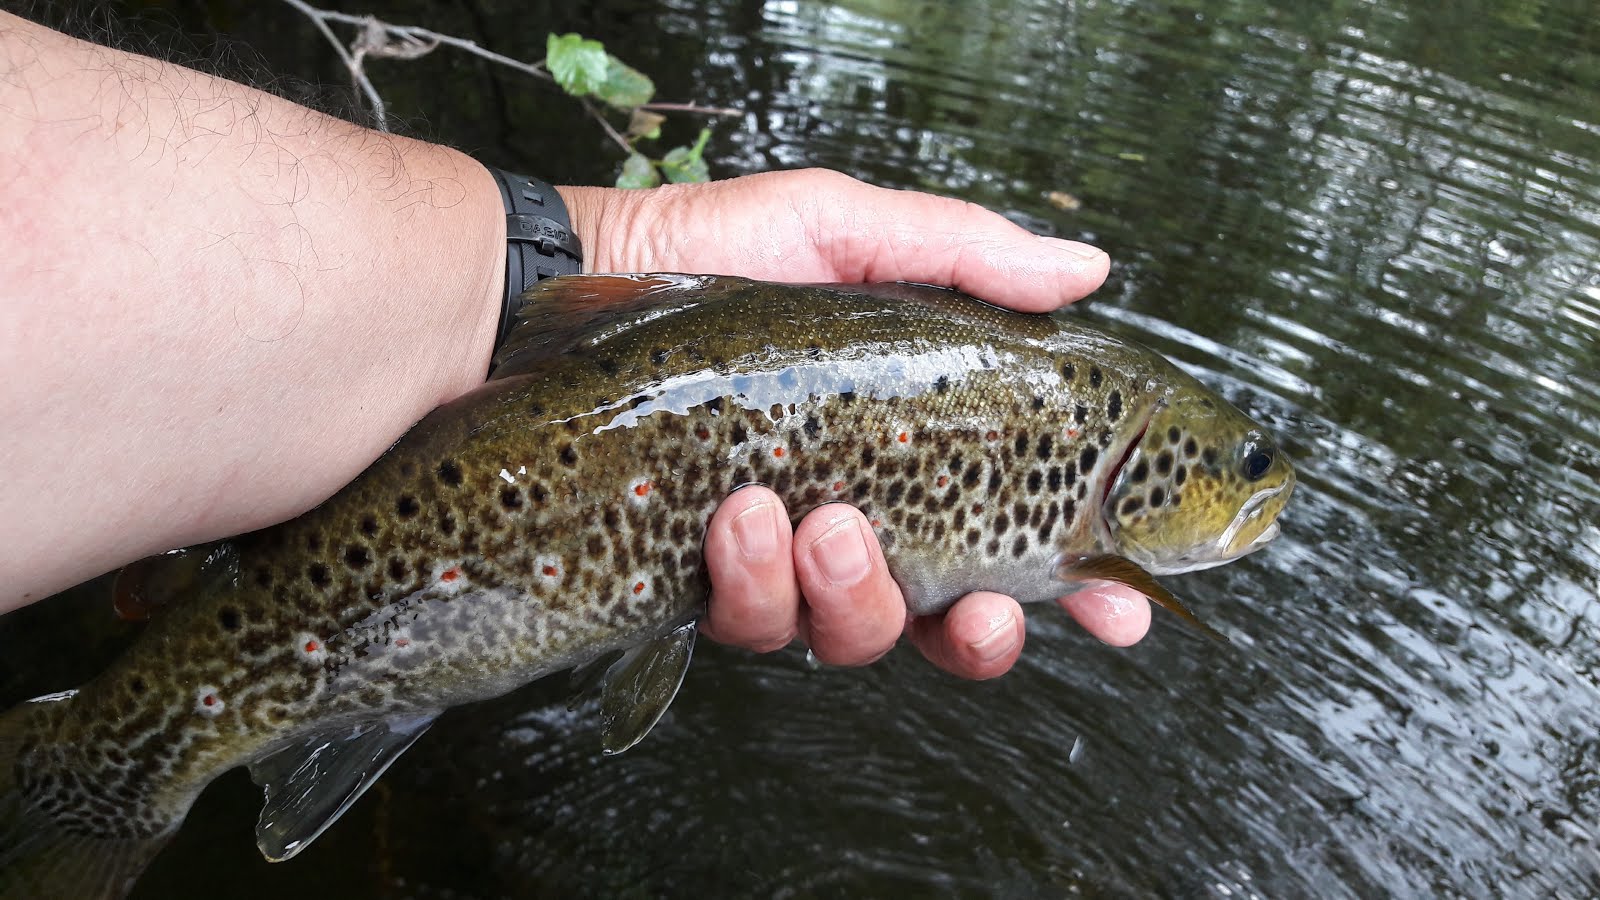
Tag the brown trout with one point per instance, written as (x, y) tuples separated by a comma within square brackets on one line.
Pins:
[(554, 517)]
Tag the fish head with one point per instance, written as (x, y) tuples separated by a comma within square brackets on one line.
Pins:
[(1202, 485)]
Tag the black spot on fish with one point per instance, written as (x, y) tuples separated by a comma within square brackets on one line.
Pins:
[(568, 455), (608, 365), (995, 480), (450, 473), (1068, 371), (263, 577), (610, 518), (1002, 523), (941, 384), (1114, 405), (1164, 462), (915, 495), (814, 351), (1069, 509), (1020, 546), (1105, 439), (847, 397), (1095, 376), (1140, 472), (536, 409), (397, 568), (1035, 481), (408, 469), (813, 427), (658, 356), (595, 545), (510, 498), (1180, 477), (739, 434), (1087, 459), (137, 685), (537, 492), (868, 455), (1046, 445), (973, 537), (1158, 497), (356, 556), (369, 525), (1132, 505), (228, 618), (1022, 443), (1190, 448), (970, 477), (1038, 402), (1173, 435), (715, 405), (897, 489), (447, 522), (994, 547), (1081, 414), (317, 574), (314, 542), (1209, 457), (913, 466), (1055, 478)]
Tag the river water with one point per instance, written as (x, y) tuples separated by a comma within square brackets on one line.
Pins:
[(1374, 226)]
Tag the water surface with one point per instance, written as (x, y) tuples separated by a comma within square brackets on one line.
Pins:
[(1373, 226)]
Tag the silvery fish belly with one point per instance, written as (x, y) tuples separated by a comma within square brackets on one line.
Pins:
[(554, 517)]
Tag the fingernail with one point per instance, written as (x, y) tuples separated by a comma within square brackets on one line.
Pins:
[(756, 531), (841, 553), (998, 642), (1076, 248)]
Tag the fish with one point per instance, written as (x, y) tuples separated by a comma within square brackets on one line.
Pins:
[(552, 520)]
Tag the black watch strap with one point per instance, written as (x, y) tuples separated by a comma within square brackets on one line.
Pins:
[(540, 242)]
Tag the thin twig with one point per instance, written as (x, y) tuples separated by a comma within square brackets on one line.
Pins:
[(612, 132), (691, 108), (353, 64), (415, 33)]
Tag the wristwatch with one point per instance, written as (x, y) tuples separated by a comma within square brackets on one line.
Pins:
[(540, 243)]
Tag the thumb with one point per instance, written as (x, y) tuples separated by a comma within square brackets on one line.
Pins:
[(876, 234)]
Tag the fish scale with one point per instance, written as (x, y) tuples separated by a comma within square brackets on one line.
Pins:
[(556, 515)]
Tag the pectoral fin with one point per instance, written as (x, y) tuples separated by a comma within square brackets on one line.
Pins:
[(309, 784), (1125, 571), (640, 686)]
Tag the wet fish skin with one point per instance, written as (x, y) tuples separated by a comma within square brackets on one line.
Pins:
[(556, 514)]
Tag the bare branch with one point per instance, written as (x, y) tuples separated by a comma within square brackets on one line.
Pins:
[(612, 132), (692, 108), (351, 62)]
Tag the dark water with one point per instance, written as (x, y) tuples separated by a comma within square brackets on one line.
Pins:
[(1375, 226)]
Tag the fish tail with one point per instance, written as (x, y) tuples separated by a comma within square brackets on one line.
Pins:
[(43, 857)]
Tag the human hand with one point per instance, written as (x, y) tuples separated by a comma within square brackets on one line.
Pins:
[(825, 581)]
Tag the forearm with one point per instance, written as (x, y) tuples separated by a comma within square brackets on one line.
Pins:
[(218, 306)]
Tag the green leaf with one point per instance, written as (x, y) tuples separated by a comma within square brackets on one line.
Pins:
[(638, 172), (623, 86), (645, 124), (685, 165), (578, 65)]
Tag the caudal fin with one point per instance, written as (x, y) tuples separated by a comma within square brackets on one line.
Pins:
[(43, 857)]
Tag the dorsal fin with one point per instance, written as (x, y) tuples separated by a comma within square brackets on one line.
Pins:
[(144, 586), (310, 783), (575, 312)]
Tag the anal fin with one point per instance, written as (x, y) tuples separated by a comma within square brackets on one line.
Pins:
[(640, 686), (310, 783)]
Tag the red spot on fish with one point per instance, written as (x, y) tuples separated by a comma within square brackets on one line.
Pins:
[(209, 699), (702, 433), (402, 642), (993, 436), (977, 508), (877, 523), (449, 575), (642, 489), (838, 486), (778, 452), (1072, 432), (903, 437), (550, 570), (638, 587), (944, 480), (312, 646)]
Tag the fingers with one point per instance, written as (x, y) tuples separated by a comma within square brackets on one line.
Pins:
[(980, 637), (854, 611), (1114, 613), (755, 602), (876, 234)]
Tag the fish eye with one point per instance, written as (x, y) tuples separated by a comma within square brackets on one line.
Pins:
[(1257, 462)]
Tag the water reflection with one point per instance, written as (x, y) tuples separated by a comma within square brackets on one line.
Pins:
[(1373, 226)]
